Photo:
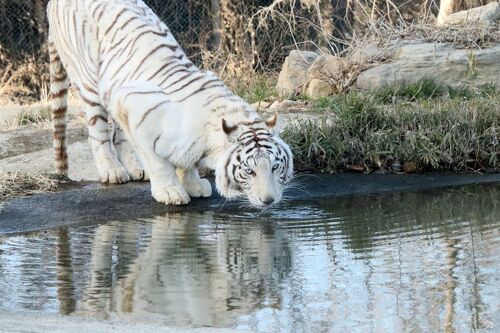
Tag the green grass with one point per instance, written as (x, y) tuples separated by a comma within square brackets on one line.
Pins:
[(460, 92), (436, 128), (423, 89), (488, 90)]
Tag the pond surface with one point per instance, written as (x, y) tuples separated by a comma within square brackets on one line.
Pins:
[(425, 262)]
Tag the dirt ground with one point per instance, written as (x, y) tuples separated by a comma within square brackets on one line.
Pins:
[(29, 148)]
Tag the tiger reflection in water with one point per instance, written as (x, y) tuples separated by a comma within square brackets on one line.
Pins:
[(191, 272)]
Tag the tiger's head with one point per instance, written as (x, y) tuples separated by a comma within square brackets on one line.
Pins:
[(257, 164)]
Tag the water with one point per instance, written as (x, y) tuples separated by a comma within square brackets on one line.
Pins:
[(420, 262)]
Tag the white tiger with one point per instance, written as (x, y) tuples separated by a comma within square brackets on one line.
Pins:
[(125, 62)]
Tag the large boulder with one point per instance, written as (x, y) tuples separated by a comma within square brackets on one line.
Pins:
[(326, 67), (293, 76), (486, 15), (371, 52), (324, 73), (317, 88), (441, 61)]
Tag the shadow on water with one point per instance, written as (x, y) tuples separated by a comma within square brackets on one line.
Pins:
[(425, 261)]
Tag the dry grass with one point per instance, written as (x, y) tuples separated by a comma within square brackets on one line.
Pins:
[(32, 116), (24, 81), (467, 36), (39, 118), (21, 184), (37, 114)]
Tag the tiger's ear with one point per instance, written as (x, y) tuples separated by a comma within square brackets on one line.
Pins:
[(229, 129), (273, 125)]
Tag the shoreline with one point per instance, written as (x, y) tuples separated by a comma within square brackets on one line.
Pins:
[(89, 203)]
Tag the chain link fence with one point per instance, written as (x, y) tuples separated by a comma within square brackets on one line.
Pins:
[(238, 36), (24, 29), (24, 24)]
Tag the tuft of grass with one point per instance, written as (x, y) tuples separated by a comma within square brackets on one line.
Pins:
[(488, 90), (472, 64), (420, 90), (460, 92), (350, 101), (34, 118), (360, 131), (257, 88), (22, 184)]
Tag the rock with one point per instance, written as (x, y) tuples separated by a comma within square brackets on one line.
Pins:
[(487, 15), (293, 75), (323, 74), (284, 104), (275, 105), (318, 88), (396, 166), (261, 105), (357, 168), (454, 67), (373, 52), (326, 67), (368, 53), (410, 167)]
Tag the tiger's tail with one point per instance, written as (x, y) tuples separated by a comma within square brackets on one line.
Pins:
[(59, 85)]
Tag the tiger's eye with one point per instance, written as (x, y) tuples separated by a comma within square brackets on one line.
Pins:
[(275, 167), (250, 172)]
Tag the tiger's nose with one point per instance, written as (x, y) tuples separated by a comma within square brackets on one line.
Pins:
[(267, 200)]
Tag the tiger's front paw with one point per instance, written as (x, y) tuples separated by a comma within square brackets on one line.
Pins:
[(114, 176), (110, 169), (173, 195), (137, 174), (132, 164), (198, 188)]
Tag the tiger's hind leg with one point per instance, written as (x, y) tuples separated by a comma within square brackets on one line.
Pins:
[(194, 185), (126, 154), (108, 165)]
